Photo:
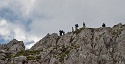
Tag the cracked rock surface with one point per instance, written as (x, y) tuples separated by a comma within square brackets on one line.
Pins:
[(83, 46)]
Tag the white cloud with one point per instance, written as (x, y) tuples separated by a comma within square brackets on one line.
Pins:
[(3, 30), (49, 16), (29, 46), (53, 15), (9, 30), (3, 22)]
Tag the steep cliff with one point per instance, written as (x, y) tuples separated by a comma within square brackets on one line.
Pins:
[(104, 45)]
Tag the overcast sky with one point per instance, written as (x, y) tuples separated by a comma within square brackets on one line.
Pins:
[(30, 20)]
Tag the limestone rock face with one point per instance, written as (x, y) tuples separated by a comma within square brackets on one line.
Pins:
[(19, 60), (15, 46), (85, 46), (105, 45), (8, 50), (46, 42)]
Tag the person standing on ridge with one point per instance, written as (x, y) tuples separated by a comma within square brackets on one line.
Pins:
[(72, 29), (84, 26), (60, 32), (76, 26), (103, 25)]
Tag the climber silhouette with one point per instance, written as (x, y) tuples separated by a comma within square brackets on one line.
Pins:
[(103, 25), (72, 29), (61, 32), (84, 26), (76, 26)]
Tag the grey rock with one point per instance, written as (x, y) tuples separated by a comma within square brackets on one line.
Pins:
[(84, 46), (15, 46), (9, 49), (2, 56), (47, 42), (19, 60), (3, 62), (33, 62), (89, 46)]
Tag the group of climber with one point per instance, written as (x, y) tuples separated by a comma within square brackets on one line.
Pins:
[(76, 27), (61, 32)]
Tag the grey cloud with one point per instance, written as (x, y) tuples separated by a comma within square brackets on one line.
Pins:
[(39, 17), (64, 14)]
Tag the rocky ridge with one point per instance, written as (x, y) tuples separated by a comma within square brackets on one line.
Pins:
[(10, 49), (83, 46)]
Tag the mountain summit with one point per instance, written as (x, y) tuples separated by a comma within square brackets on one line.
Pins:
[(104, 45)]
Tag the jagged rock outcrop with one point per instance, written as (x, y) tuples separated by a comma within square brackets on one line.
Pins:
[(85, 46), (105, 45), (46, 42), (8, 50), (15, 46)]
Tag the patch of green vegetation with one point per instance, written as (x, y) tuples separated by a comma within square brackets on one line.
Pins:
[(9, 56), (26, 53), (114, 61), (64, 52), (114, 33), (45, 42), (33, 58), (74, 46), (63, 55), (78, 31)]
